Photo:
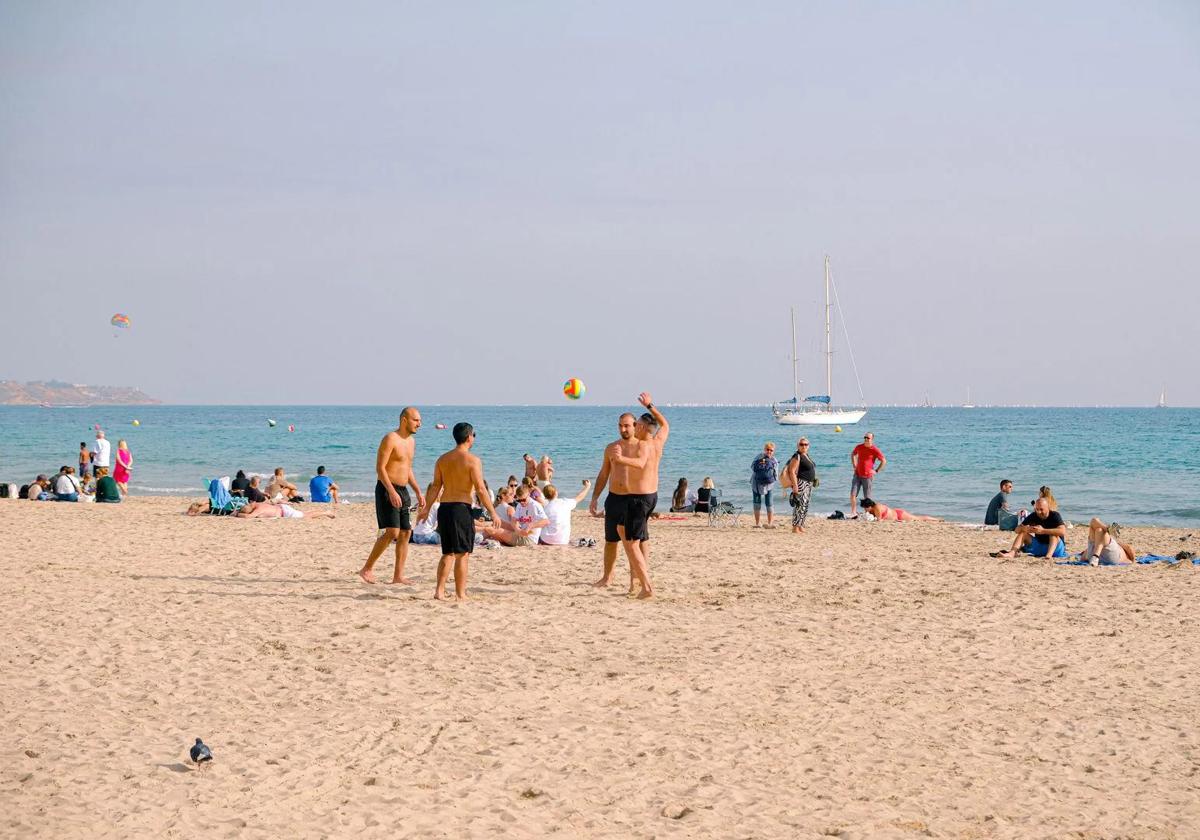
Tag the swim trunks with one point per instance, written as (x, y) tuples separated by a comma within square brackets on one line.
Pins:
[(638, 507), (614, 515), (387, 516), (456, 527)]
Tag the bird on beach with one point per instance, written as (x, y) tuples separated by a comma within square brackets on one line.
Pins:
[(200, 752)]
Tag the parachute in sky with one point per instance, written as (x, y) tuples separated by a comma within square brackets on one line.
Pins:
[(120, 322)]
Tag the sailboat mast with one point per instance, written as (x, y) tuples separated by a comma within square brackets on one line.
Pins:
[(795, 384), (828, 339)]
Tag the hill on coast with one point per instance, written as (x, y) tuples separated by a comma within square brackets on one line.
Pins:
[(64, 393)]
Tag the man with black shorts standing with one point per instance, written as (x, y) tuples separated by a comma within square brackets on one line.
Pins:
[(455, 475), (614, 502), (633, 465), (394, 474)]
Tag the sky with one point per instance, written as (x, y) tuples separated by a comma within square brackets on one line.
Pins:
[(391, 203)]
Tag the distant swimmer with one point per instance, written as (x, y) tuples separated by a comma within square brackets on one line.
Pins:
[(394, 475), (456, 475), (633, 467)]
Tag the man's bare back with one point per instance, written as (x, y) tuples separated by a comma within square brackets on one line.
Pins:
[(458, 471)]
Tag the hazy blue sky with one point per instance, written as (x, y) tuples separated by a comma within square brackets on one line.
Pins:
[(470, 202)]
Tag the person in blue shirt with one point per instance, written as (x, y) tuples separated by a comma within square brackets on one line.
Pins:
[(322, 489)]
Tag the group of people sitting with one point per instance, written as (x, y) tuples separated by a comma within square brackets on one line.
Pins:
[(1042, 532), (686, 500), (276, 502), (67, 486)]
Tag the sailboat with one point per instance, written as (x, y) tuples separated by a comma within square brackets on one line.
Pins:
[(1162, 398), (968, 403), (816, 410)]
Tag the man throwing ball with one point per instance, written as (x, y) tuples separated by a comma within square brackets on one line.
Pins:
[(631, 465), (455, 475)]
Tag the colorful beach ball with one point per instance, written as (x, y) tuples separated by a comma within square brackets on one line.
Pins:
[(573, 389)]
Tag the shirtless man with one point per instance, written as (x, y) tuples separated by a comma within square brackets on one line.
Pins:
[(282, 490), (545, 471), (530, 466), (456, 475), (631, 465), (394, 474)]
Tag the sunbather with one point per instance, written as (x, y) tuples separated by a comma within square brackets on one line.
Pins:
[(1103, 547), (1042, 534), (887, 514), (269, 510)]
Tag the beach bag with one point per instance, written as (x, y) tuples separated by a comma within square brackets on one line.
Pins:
[(764, 471)]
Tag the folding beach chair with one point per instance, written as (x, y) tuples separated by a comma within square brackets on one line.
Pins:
[(722, 514), (221, 502)]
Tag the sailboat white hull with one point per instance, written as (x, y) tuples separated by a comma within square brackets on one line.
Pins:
[(820, 418)]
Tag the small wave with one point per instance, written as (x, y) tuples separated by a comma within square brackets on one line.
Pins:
[(1182, 513)]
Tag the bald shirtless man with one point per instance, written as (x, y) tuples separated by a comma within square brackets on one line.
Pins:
[(455, 475), (394, 474), (631, 466)]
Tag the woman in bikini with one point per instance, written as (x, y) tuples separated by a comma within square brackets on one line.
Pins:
[(886, 514)]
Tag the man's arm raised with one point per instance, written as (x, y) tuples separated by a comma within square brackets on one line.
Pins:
[(664, 428), (587, 485)]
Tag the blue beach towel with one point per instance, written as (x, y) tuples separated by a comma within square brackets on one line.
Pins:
[(218, 496), (1146, 559)]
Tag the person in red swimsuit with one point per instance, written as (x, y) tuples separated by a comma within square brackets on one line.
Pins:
[(887, 514)]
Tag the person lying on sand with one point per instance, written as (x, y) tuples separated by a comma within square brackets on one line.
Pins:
[(268, 510), (1103, 549), (886, 514)]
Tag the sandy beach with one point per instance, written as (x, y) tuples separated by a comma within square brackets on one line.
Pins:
[(868, 680)]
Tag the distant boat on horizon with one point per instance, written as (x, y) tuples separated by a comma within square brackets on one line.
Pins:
[(818, 409), (1162, 398), (968, 403)]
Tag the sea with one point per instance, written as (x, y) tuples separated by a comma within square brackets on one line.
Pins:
[(1133, 465)]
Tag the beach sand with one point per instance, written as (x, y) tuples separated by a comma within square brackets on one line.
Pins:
[(867, 680)]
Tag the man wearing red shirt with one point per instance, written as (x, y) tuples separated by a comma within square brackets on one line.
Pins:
[(863, 459)]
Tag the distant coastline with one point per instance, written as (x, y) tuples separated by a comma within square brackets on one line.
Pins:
[(56, 394)]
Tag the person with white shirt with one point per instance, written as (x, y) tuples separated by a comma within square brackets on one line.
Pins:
[(529, 517), (558, 512), (100, 451), (66, 486)]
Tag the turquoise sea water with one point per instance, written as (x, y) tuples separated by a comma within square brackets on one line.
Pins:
[(1132, 465)]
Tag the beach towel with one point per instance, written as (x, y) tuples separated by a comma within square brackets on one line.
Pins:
[(218, 494), (1146, 559)]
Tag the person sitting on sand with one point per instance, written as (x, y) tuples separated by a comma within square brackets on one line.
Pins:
[(704, 496), (503, 503), (424, 531), (282, 490), (39, 490), (321, 488), (239, 484), (997, 510), (683, 500), (1103, 549), (66, 486), (1044, 492), (1042, 534), (253, 493), (887, 514), (107, 490), (269, 510), (558, 514)]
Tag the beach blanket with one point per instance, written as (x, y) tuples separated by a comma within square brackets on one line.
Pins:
[(1146, 559)]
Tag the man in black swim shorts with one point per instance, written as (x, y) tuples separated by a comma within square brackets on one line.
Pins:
[(394, 475), (614, 502), (457, 475)]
